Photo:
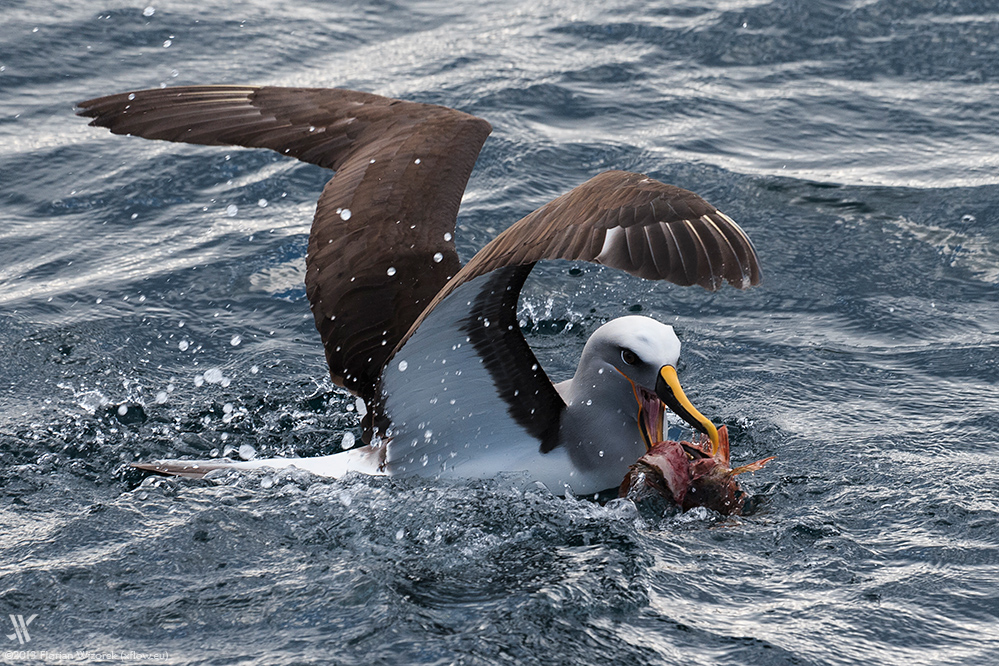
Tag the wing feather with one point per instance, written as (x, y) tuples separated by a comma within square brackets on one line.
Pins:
[(401, 170), (627, 221)]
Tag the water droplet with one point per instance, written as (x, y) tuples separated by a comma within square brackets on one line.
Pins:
[(232, 210), (416, 161), (403, 365), (213, 376), (183, 345), (148, 11), (254, 369), (345, 214), (391, 270), (447, 236), (348, 441), (99, 301), (400, 534), (122, 410), (247, 452), (235, 340), (161, 397), (167, 44), (199, 380), (262, 203), (438, 257)]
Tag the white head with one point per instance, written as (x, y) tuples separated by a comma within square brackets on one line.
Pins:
[(635, 346), (644, 352)]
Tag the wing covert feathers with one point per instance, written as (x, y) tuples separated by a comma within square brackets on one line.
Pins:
[(377, 251), (634, 223)]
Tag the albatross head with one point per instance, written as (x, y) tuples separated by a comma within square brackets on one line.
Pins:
[(631, 361)]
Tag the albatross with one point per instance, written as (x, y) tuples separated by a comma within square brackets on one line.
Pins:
[(434, 348)]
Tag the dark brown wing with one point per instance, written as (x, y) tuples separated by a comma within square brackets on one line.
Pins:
[(401, 169), (634, 223), (631, 222)]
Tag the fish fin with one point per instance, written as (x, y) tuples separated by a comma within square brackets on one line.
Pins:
[(724, 451), (751, 467)]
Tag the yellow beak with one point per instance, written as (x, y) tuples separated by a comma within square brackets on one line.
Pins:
[(669, 391)]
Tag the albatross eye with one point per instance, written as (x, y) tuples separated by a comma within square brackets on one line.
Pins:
[(629, 357)]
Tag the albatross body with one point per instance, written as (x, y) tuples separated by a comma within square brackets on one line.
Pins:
[(432, 347)]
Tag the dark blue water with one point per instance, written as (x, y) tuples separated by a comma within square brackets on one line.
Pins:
[(855, 142)]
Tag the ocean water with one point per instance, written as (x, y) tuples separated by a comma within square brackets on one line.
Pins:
[(151, 306)]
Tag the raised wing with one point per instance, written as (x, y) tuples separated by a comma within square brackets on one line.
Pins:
[(619, 219), (628, 221), (401, 169), (635, 223)]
